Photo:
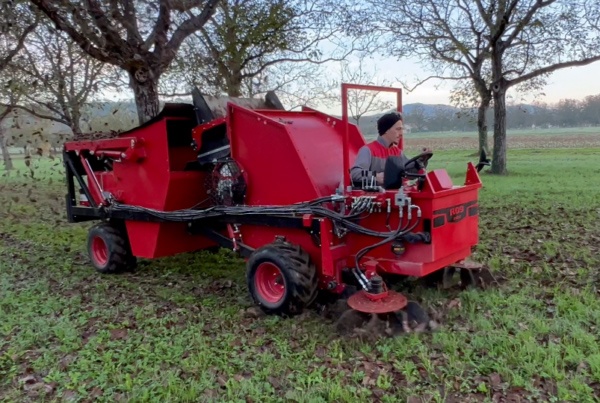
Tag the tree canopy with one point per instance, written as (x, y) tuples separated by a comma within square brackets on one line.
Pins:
[(141, 37)]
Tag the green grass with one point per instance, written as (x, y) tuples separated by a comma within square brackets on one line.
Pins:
[(178, 328)]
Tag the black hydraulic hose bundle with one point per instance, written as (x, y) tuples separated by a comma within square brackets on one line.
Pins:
[(310, 207), (402, 230)]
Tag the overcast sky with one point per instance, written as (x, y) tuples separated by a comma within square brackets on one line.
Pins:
[(574, 83)]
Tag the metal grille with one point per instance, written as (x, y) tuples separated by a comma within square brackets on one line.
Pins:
[(226, 185)]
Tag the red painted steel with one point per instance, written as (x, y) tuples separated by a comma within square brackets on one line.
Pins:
[(296, 170), (99, 251), (269, 282), (451, 241), (440, 179), (151, 175), (286, 157), (93, 182)]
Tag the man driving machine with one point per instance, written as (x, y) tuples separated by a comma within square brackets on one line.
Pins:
[(372, 157)]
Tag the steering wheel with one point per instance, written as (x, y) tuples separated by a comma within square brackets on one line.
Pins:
[(423, 157)]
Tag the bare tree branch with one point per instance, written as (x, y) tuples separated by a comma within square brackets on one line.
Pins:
[(20, 44), (41, 115), (191, 25), (550, 69), (63, 24), (421, 82)]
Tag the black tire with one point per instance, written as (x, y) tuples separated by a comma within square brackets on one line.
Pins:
[(109, 250), (293, 270)]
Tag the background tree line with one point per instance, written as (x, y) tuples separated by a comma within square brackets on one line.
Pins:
[(565, 113)]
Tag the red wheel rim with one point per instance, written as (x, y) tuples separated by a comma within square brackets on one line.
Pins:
[(269, 282), (99, 251)]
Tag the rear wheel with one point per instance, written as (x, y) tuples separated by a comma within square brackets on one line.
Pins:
[(109, 250), (282, 279)]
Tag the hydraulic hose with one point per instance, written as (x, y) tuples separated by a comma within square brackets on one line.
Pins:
[(310, 207), (402, 230)]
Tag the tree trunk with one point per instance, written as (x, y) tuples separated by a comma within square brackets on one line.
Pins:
[(145, 89), (482, 125), (76, 124), (234, 85), (8, 164), (499, 157)]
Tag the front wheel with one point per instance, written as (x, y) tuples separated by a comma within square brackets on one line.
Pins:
[(108, 249), (282, 279)]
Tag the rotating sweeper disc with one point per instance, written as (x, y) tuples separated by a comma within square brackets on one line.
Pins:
[(380, 311), (378, 299), (386, 302)]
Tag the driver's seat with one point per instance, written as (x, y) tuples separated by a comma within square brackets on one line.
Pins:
[(393, 173)]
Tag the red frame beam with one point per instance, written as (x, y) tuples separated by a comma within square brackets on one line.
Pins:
[(345, 88)]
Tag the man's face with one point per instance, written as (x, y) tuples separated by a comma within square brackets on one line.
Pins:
[(394, 134)]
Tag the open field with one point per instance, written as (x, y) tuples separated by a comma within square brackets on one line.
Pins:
[(513, 142), (179, 328), (578, 137), (539, 132)]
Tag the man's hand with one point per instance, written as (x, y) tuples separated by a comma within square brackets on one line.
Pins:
[(379, 178)]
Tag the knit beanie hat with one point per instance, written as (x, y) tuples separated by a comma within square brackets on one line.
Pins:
[(388, 120)]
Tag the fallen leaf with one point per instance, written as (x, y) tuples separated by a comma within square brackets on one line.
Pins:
[(96, 392), (253, 312), (29, 379), (69, 395), (118, 334), (582, 367), (221, 380), (379, 393), (274, 382), (495, 380), (455, 303)]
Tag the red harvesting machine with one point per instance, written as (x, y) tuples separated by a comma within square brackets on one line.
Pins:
[(273, 185)]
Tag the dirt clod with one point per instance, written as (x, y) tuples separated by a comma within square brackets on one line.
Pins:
[(349, 321), (253, 312)]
